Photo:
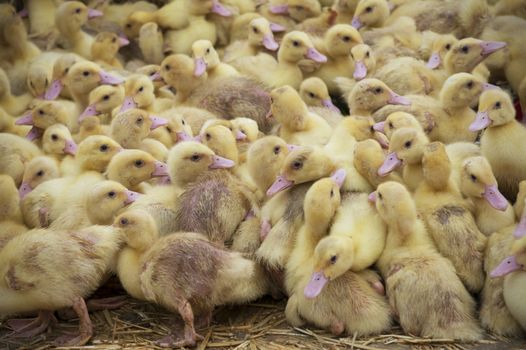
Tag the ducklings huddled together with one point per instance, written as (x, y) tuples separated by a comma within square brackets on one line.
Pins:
[(360, 158)]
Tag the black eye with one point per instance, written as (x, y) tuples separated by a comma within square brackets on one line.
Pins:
[(311, 95), (297, 165), (497, 105), (113, 40), (41, 112), (40, 173), (85, 73), (139, 121), (139, 163), (369, 9), (371, 129), (208, 136), (103, 148), (167, 67), (124, 221), (195, 158), (448, 46), (473, 178), (111, 194), (391, 126), (277, 149), (66, 70), (380, 195), (128, 25), (334, 258), (183, 122), (367, 54), (54, 137), (465, 49), (106, 97), (78, 10), (296, 43), (169, 129), (408, 144), (255, 30), (208, 50), (378, 90), (332, 193), (469, 85), (141, 89), (346, 38)]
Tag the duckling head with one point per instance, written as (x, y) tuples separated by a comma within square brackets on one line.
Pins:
[(260, 34), (405, 147), (138, 227), (61, 69), (245, 129), (517, 260), (302, 165), (364, 61), (139, 92), (477, 180), (268, 154), (288, 108), (341, 38), (467, 53), (86, 76), (103, 99), (72, 15), (441, 46), (178, 128), (133, 23), (96, 151), (300, 10), (396, 121), (205, 56), (296, 46), (221, 141), (38, 79), (178, 72), (106, 199), (370, 13), (152, 72), (362, 128), (314, 93), (128, 128), (15, 34), (57, 140), (10, 204), (461, 90), (130, 167), (495, 108), (38, 170), (44, 114), (188, 160), (106, 45), (372, 94), (395, 206)]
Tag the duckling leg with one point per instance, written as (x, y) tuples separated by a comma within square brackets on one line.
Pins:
[(85, 327), (190, 336), (30, 327)]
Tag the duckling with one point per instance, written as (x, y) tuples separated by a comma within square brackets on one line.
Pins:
[(207, 59), (102, 100), (58, 142), (93, 154), (83, 77), (132, 166), (130, 127), (336, 44), (10, 214), (492, 210), (12, 104), (313, 282), (368, 157), (60, 70), (15, 153), (226, 97), (298, 10), (396, 121), (317, 26), (217, 269), (497, 114), (260, 36), (140, 94), (39, 73), (314, 93), (448, 218), (410, 264), (29, 289), (7, 125), (105, 47), (295, 46), (41, 17), (69, 19), (364, 61), (151, 43), (369, 95), (297, 124), (46, 113), (370, 14), (38, 170)]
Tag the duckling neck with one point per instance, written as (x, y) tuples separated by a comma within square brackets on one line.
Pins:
[(129, 269)]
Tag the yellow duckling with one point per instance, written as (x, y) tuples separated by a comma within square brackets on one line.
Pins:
[(39, 73), (11, 216), (370, 14), (497, 114), (207, 59), (15, 153), (60, 71), (151, 43), (369, 95), (492, 210), (69, 19), (12, 104), (139, 93), (417, 277), (368, 158), (314, 282), (130, 127), (216, 270), (58, 142), (7, 125), (314, 93), (38, 170), (448, 218), (102, 100), (105, 47), (396, 121), (294, 47), (297, 124)]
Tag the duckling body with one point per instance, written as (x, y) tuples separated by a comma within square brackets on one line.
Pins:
[(15, 152)]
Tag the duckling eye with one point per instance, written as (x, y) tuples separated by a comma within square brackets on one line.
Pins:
[(380, 195), (85, 73), (371, 128), (296, 43), (141, 89), (54, 137), (195, 158), (139, 121), (103, 148), (78, 10), (113, 40), (106, 97), (299, 8), (40, 173), (408, 144), (139, 163), (277, 149), (208, 50), (311, 95), (255, 30), (124, 221), (41, 112), (346, 38), (167, 67), (183, 122), (473, 178), (169, 129), (332, 193), (469, 85), (391, 125), (448, 46), (208, 136), (369, 9), (66, 70), (465, 49), (497, 105), (128, 25), (297, 165), (367, 54), (111, 194), (378, 90), (334, 258)]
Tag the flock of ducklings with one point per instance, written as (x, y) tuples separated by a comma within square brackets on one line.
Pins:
[(207, 164)]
